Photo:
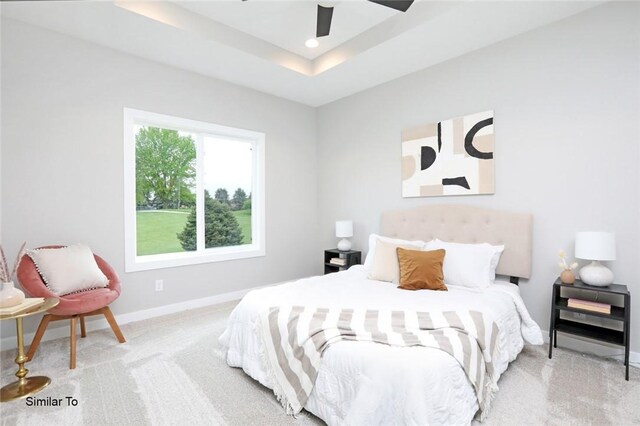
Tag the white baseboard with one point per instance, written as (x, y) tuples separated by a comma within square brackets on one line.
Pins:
[(10, 342), (596, 348)]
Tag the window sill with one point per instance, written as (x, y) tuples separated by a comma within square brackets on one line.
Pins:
[(171, 260)]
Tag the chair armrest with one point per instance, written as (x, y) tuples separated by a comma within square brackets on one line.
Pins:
[(112, 275), (31, 281)]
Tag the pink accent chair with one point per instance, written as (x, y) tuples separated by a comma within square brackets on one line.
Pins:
[(75, 306)]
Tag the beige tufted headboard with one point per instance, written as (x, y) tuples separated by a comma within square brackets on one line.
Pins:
[(467, 224)]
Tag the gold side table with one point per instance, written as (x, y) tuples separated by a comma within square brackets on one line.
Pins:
[(25, 386)]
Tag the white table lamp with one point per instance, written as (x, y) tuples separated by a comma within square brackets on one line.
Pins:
[(596, 246), (344, 230)]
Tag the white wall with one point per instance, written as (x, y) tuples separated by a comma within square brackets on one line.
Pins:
[(62, 160), (1, 60), (566, 100)]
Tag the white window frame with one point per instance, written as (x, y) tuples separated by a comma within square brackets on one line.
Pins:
[(133, 262)]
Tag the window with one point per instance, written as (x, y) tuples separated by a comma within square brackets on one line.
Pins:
[(194, 192)]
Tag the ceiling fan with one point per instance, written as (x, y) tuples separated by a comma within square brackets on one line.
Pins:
[(323, 23), (325, 14)]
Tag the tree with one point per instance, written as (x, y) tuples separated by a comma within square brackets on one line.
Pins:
[(221, 228), (187, 198), (165, 168), (239, 197), (222, 195)]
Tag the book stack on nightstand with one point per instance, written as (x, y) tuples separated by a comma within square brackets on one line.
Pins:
[(336, 260), (339, 261), (589, 305)]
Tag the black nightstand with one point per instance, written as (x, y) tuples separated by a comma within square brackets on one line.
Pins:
[(351, 257), (620, 314)]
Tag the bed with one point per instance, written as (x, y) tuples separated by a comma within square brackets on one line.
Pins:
[(370, 383)]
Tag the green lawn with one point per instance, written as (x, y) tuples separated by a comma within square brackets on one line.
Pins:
[(158, 229), (244, 220)]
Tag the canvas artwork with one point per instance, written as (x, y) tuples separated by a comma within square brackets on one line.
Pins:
[(452, 157)]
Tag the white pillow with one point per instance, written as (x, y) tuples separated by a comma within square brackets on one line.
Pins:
[(374, 238), (469, 265), (385, 265), (68, 269)]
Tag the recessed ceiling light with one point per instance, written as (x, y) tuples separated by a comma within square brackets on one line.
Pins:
[(311, 43)]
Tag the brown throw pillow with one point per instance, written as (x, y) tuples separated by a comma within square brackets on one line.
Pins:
[(421, 269)]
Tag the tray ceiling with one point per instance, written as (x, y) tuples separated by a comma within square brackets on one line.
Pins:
[(260, 43)]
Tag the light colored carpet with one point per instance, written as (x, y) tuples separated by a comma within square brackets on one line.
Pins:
[(172, 371)]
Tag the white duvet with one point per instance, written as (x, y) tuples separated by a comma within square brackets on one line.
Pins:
[(364, 383)]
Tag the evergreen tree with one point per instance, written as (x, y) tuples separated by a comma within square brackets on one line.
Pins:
[(221, 228)]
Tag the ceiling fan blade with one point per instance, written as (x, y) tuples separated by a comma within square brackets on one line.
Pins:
[(401, 5), (323, 25)]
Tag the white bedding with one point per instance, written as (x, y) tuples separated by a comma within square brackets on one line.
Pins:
[(363, 383)]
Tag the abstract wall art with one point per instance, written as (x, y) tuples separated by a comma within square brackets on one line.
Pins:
[(452, 157)]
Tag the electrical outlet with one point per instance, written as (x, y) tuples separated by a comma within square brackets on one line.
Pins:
[(159, 285)]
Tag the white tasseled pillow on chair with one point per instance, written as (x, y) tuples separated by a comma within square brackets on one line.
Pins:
[(68, 269)]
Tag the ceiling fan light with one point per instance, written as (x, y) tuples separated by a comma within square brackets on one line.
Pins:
[(311, 43)]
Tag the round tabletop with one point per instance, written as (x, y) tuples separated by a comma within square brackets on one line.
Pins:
[(44, 306)]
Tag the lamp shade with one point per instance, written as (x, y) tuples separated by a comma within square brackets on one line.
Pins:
[(344, 229), (596, 245)]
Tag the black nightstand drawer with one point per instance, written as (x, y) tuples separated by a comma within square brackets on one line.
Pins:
[(590, 331)]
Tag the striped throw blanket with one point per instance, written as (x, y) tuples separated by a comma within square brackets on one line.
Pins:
[(294, 338)]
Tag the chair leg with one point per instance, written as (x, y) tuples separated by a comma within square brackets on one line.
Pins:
[(72, 362), (44, 322), (114, 325), (83, 330)]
